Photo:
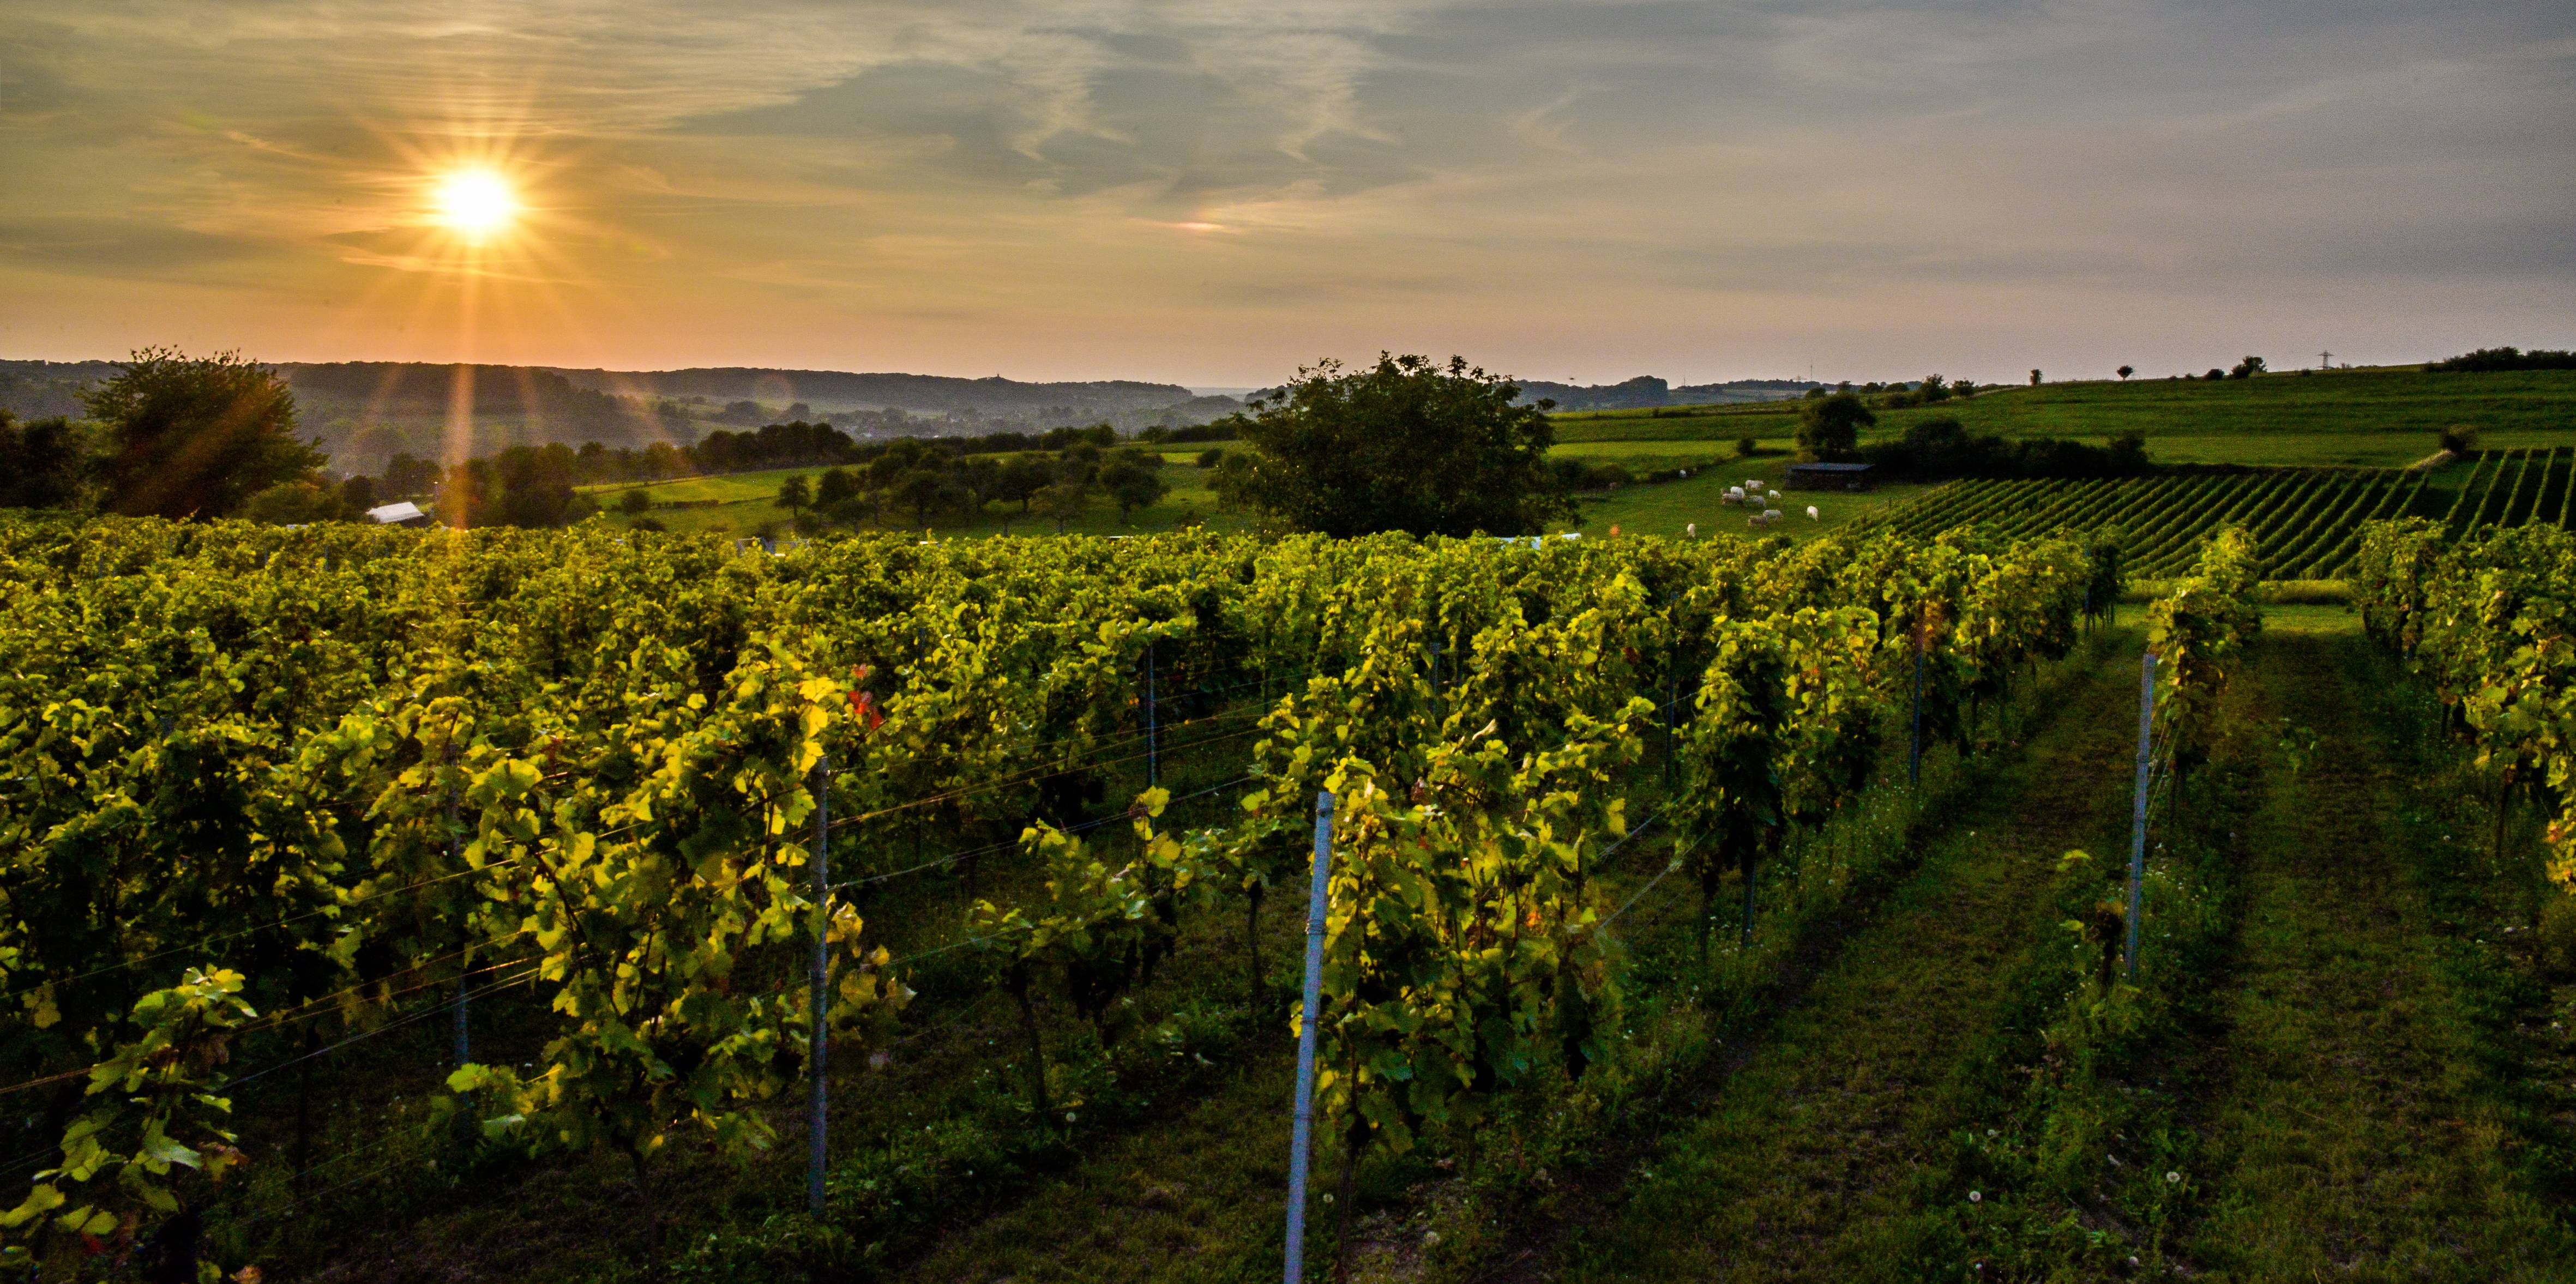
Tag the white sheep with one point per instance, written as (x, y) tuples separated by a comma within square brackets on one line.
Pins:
[(1691, 531), (1774, 497), (1772, 514), (1811, 512)]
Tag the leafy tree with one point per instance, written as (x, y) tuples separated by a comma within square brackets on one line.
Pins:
[(2506, 358), (358, 494), (834, 487), (2247, 369), (1402, 445), (635, 503), (43, 464), (1132, 487), (526, 486), (1064, 501), (927, 490), (1211, 457), (1021, 480), (2034, 378), (1831, 426), (295, 503), (2126, 371), (795, 493), (407, 477), (1746, 447), (2215, 374), (196, 436)]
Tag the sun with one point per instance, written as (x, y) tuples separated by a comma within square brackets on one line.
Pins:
[(475, 203)]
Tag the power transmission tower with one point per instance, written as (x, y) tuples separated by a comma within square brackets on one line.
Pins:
[(2325, 361)]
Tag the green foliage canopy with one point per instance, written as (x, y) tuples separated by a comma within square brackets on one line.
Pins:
[(197, 436), (1830, 426), (1405, 445)]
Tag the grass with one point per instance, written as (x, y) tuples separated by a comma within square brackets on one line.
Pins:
[(2377, 417), (2357, 1132), (1810, 1160), (2357, 418), (1671, 508), (744, 504)]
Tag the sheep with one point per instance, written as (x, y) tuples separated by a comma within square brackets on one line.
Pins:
[(1774, 497), (1772, 514), (1812, 515), (1691, 531)]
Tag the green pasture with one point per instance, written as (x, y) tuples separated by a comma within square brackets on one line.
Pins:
[(1671, 508), (2379, 417), (744, 504)]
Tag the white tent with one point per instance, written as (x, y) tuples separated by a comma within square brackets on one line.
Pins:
[(397, 514)]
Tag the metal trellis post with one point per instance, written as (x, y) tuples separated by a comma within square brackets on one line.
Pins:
[(2138, 820), (1304, 1130), (1153, 760)]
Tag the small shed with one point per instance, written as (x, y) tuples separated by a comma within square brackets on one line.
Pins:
[(1828, 477), (405, 513)]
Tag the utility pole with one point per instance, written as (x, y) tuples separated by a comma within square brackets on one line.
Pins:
[(2325, 361)]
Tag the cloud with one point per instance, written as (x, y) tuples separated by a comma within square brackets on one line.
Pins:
[(1211, 191)]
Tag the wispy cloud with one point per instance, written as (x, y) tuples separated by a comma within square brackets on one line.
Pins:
[(1214, 191)]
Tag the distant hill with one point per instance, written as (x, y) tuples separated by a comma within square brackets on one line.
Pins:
[(831, 390), (363, 411)]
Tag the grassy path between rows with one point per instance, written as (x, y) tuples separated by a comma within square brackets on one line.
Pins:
[(1808, 1162), (2347, 1137)]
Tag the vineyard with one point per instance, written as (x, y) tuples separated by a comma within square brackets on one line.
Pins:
[(828, 902), (2306, 522), (275, 794)]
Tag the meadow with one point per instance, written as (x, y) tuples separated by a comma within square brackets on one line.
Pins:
[(2372, 419), (2383, 417)]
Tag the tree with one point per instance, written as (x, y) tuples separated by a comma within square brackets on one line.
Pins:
[(358, 494), (834, 487), (2247, 369), (2034, 378), (795, 493), (1021, 480), (196, 436), (1831, 426), (1211, 457), (1132, 486), (2126, 371), (1405, 445), (1064, 501), (527, 486), (925, 490), (407, 477), (1746, 447), (295, 503), (43, 464), (635, 503)]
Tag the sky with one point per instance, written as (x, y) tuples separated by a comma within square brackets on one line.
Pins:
[(1214, 193)]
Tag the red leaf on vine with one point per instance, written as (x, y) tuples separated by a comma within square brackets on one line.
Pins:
[(863, 704)]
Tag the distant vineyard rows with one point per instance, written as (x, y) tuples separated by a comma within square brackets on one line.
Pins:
[(2305, 522)]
